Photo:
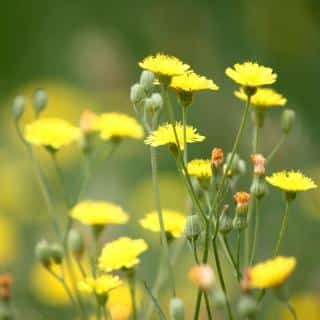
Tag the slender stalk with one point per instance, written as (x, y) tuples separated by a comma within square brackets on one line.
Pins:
[(198, 304), (292, 311), (247, 239), (256, 231), (276, 148), (238, 250), (185, 122), (283, 229), (208, 307), (255, 139), (233, 262)]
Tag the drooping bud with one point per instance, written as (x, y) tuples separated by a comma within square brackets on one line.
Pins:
[(57, 253), (18, 107), (247, 306), (225, 223), (137, 93), (176, 309), (40, 99), (202, 276), (147, 80), (43, 253), (76, 243), (287, 120), (217, 157), (193, 227)]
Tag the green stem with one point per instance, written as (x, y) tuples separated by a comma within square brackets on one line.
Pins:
[(256, 231), (233, 262), (198, 304), (98, 312), (208, 307), (247, 239), (185, 145), (255, 139), (238, 250), (292, 311), (276, 148), (105, 312)]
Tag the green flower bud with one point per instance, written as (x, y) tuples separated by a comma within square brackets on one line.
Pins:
[(287, 120), (225, 223), (259, 187), (137, 93), (43, 253), (18, 107), (176, 309), (40, 99), (76, 243), (193, 227), (157, 101), (57, 253), (218, 298), (241, 167), (240, 221), (147, 80), (247, 306)]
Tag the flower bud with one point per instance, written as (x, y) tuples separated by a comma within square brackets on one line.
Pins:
[(147, 80), (193, 227), (76, 243), (40, 99), (57, 253), (287, 120), (157, 101), (202, 276), (247, 306), (225, 223), (242, 200), (137, 93), (218, 298), (176, 309), (258, 161), (240, 221), (18, 107), (217, 157), (43, 253), (259, 187), (241, 167)]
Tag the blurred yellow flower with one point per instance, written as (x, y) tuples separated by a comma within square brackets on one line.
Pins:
[(164, 65), (270, 273), (8, 241), (191, 82), (164, 135), (99, 286), (174, 222), (113, 125), (291, 181), (263, 98), (200, 168), (98, 213), (251, 74), (121, 253), (51, 132)]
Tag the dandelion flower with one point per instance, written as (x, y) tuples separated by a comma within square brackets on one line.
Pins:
[(100, 286), (164, 135), (263, 98), (115, 125), (51, 132), (271, 273), (291, 181), (174, 222), (200, 168), (164, 65), (98, 213), (250, 74), (192, 82), (121, 253)]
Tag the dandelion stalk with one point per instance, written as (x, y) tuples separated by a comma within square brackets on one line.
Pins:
[(185, 122), (277, 147), (256, 231), (238, 250), (198, 304)]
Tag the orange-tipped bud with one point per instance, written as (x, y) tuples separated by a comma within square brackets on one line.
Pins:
[(217, 157), (242, 199), (258, 161), (202, 276), (86, 120)]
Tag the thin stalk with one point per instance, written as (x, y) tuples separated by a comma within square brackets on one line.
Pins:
[(208, 307), (256, 231), (283, 229), (255, 139), (233, 262), (198, 304), (184, 123), (292, 311), (276, 148), (195, 252), (247, 239), (238, 250)]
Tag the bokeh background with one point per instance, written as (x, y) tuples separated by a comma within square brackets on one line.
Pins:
[(85, 54)]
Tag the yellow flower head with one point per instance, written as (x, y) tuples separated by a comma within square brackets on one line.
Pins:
[(291, 181), (121, 253), (164, 65), (263, 98), (271, 273), (191, 82), (51, 132), (165, 135), (200, 168), (250, 74), (174, 222), (98, 213), (100, 286), (113, 125)]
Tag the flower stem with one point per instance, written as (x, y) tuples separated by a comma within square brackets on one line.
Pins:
[(238, 250), (185, 122), (229, 253), (198, 304), (256, 231), (255, 139), (208, 307), (132, 282), (276, 148)]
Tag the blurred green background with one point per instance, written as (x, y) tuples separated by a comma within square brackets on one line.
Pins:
[(85, 54)]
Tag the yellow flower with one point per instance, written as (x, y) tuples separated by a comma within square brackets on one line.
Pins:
[(98, 213), (51, 132), (113, 125), (191, 82), (271, 273), (200, 168), (291, 181), (164, 65), (174, 222), (100, 286), (121, 253), (250, 74), (263, 98), (165, 135)]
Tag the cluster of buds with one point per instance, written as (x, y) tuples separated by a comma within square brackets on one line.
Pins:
[(259, 186), (202, 275), (49, 254), (242, 200)]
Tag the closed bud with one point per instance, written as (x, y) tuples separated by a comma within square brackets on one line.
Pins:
[(240, 221), (40, 99), (247, 306), (147, 80), (193, 227), (241, 167), (176, 308), (242, 200), (259, 187), (217, 157), (287, 120), (43, 253), (157, 101), (137, 93), (225, 223), (18, 107), (57, 253), (76, 243)]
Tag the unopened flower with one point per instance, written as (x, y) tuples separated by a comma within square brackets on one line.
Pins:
[(164, 135), (51, 132), (98, 213), (164, 65), (202, 276), (258, 161), (242, 199), (269, 274), (174, 222), (217, 157), (121, 253), (87, 119)]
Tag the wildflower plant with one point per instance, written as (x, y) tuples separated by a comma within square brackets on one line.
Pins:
[(205, 232)]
